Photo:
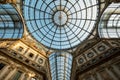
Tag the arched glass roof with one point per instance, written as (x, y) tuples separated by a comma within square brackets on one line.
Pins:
[(11, 25), (109, 26), (60, 24), (60, 65)]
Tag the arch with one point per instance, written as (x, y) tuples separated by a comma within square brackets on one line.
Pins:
[(60, 65), (11, 22), (109, 25)]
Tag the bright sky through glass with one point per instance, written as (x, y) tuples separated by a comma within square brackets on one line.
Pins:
[(109, 25), (60, 65), (60, 24), (11, 25)]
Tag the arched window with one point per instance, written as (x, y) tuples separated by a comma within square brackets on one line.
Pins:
[(11, 25), (109, 25)]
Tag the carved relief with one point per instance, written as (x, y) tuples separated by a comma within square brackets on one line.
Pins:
[(106, 71), (12, 67)]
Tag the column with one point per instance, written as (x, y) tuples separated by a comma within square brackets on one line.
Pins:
[(25, 76), (22, 77), (111, 74), (99, 76), (92, 77), (3, 72), (10, 74), (117, 71)]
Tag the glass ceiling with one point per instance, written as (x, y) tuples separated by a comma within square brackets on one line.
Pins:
[(11, 25), (60, 63), (60, 24), (109, 26)]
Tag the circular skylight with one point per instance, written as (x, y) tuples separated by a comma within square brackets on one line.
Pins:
[(60, 24)]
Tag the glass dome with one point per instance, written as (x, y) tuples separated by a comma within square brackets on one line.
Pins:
[(60, 24)]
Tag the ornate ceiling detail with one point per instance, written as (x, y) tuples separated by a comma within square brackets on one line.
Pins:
[(85, 46), (97, 53), (62, 24)]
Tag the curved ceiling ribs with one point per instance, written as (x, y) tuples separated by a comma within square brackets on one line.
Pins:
[(109, 25), (63, 25), (60, 24), (60, 65), (96, 51), (11, 23)]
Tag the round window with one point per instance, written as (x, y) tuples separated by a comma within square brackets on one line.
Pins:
[(101, 48), (80, 61), (90, 55), (40, 60)]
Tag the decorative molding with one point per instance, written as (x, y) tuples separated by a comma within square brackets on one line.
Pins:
[(85, 46), (107, 47)]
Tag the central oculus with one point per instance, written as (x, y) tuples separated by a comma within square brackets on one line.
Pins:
[(60, 18)]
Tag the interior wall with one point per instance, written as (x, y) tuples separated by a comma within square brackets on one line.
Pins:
[(107, 71), (11, 67)]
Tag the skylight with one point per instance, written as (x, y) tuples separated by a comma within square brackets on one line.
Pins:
[(60, 24), (60, 65), (109, 26), (11, 25)]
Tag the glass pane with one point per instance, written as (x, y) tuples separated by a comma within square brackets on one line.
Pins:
[(11, 25), (17, 75), (109, 25), (59, 22), (61, 67)]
